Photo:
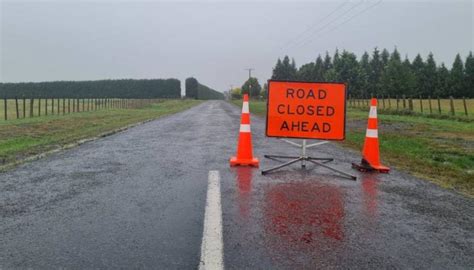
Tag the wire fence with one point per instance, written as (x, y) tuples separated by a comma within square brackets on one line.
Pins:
[(427, 106), (21, 108)]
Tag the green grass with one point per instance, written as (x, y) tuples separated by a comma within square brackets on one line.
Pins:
[(25, 137), (439, 150)]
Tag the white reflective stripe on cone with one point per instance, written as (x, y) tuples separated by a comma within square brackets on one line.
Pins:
[(244, 128), (372, 133), (245, 107), (373, 112)]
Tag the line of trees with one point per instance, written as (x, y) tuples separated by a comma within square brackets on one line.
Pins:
[(195, 90), (384, 73), (126, 88)]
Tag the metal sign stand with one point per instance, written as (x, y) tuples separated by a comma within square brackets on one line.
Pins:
[(304, 158)]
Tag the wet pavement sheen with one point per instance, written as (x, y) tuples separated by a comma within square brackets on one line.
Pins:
[(136, 200)]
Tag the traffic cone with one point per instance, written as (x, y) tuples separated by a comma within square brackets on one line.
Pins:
[(244, 149), (370, 152)]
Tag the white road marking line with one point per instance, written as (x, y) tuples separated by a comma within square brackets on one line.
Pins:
[(212, 251)]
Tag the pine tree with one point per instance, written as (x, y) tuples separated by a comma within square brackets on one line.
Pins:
[(456, 78), (391, 83), (364, 72), (469, 76), (442, 82), (348, 71), (430, 77), (278, 71), (327, 65), (336, 65), (375, 74), (385, 57), (318, 71), (292, 70), (407, 79), (418, 68), (306, 72)]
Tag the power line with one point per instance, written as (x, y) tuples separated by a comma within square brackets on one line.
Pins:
[(347, 20), (328, 24), (320, 21)]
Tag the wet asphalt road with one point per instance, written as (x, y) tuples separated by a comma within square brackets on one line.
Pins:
[(137, 199)]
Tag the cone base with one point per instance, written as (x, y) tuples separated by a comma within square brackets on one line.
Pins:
[(366, 167), (254, 162)]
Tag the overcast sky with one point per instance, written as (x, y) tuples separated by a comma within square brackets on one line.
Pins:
[(215, 41)]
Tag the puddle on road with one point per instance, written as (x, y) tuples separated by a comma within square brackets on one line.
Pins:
[(302, 220)]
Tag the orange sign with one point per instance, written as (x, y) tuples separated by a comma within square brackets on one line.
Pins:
[(306, 110)]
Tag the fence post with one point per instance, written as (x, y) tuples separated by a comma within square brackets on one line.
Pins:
[(410, 103), (429, 103), (439, 105), (463, 100), (451, 104), (58, 107), (39, 106), (17, 110), (68, 105), (31, 107), (421, 105), (64, 106), (24, 107), (404, 102), (398, 101), (52, 106), (5, 102)]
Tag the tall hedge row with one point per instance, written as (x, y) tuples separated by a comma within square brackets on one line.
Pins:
[(199, 91), (191, 88), (127, 88)]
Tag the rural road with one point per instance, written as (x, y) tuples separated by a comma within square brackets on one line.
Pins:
[(137, 200)]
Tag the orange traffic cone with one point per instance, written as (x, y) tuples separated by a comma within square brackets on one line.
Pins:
[(370, 152), (244, 149)]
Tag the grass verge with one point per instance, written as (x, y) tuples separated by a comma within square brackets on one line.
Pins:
[(439, 150), (22, 138)]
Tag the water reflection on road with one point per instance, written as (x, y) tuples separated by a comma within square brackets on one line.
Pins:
[(303, 213), (244, 184), (303, 221), (369, 185)]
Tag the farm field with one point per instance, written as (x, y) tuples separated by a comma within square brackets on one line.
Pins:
[(25, 137), (439, 150)]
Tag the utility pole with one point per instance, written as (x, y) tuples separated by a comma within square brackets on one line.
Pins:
[(250, 71)]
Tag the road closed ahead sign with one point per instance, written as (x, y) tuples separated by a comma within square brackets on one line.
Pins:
[(306, 110)]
